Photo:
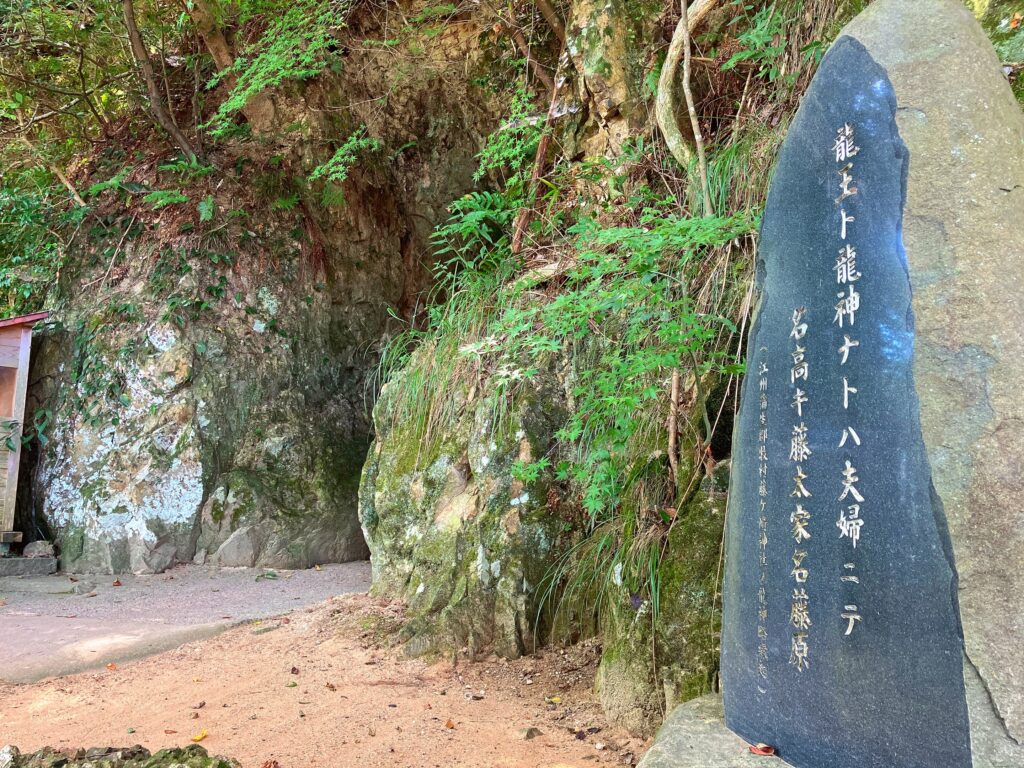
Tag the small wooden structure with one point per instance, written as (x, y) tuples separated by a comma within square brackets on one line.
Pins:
[(15, 353)]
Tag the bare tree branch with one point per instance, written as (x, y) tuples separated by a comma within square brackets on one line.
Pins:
[(525, 214), (673, 428), (54, 168), (702, 162), (524, 48)]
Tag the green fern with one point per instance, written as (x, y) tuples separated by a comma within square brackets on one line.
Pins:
[(207, 208), (296, 45), (161, 198)]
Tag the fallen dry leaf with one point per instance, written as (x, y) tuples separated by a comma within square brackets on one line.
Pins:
[(762, 749), (1016, 20), (200, 736), (331, 687), (169, 732), (271, 764), (450, 724)]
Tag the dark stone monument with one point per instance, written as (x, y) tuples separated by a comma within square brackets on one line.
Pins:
[(874, 580), (841, 622)]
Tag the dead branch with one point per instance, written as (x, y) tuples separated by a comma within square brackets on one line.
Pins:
[(673, 428), (524, 48), (54, 168), (523, 219)]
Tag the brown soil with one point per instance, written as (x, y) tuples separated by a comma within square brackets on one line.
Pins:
[(325, 687)]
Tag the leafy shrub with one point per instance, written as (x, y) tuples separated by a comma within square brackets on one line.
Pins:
[(30, 254), (475, 237), (763, 41)]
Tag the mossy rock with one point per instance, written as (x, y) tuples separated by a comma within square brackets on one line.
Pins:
[(192, 756), (451, 531), (641, 678)]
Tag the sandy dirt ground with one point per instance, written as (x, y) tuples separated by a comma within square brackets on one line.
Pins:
[(325, 686), (61, 624)]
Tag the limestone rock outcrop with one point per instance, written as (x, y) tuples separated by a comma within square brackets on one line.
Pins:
[(451, 530), (209, 389)]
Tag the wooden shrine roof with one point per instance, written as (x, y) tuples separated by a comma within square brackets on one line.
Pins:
[(30, 319)]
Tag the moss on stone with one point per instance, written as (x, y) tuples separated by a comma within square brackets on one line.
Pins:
[(1003, 20), (192, 756), (649, 664)]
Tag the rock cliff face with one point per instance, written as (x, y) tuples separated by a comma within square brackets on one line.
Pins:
[(451, 530), (210, 391), (457, 530), (474, 550), (470, 540), (211, 383)]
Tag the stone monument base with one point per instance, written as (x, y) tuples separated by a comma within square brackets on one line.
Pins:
[(695, 736), (27, 566)]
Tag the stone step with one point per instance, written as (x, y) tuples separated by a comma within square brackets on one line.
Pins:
[(27, 566), (695, 736)]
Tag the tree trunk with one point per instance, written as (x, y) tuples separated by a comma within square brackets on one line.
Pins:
[(156, 103), (259, 110), (553, 19), (210, 31)]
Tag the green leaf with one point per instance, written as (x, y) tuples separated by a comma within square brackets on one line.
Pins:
[(161, 198), (207, 208)]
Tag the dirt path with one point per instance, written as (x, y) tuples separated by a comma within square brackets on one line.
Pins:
[(322, 687), (60, 624)]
